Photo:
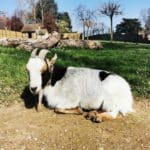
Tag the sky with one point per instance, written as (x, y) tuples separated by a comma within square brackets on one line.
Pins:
[(131, 9)]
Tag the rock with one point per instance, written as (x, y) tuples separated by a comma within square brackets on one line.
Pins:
[(25, 47), (49, 41), (13, 42), (45, 37), (55, 36), (9, 42), (53, 39), (91, 44), (4, 41)]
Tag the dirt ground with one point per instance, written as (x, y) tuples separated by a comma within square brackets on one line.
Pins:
[(26, 129)]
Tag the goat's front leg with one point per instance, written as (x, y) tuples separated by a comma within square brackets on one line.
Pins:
[(77, 111), (39, 105), (98, 117)]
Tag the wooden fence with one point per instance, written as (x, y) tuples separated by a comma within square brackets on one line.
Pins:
[(19, 35), (72, 35), (10, 34)]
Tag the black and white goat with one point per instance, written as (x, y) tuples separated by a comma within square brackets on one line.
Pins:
[(71, 89)]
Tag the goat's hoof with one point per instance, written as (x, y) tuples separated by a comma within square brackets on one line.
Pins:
[(97, 119), (91, 115), (39, 108), (79, 111)]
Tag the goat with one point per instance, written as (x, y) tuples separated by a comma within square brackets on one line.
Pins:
[(73, 89)]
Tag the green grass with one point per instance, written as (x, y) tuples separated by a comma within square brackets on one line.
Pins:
[(126, 59), (13, 76)]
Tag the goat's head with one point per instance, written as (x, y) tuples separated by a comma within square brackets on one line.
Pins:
[(37, 67)]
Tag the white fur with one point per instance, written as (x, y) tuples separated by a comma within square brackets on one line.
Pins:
[(82, 87), (34, 68)]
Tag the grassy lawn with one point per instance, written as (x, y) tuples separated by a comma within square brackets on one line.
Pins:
[(126, 59)]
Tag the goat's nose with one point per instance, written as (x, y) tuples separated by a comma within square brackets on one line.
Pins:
[(33, 89)]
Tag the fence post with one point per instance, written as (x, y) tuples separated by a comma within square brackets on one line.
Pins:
[(5, 33)]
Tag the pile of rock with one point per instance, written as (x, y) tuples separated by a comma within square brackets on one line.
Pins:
[(90, 44), (49, 41), (4, 41), (9, 42)]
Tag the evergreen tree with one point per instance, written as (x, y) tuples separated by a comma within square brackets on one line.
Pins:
[(129, 26)]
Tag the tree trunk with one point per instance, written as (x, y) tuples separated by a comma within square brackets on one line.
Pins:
[(87, 33), (34, 14), (42, 16), (83, 34), (42, 12), (111, 28)]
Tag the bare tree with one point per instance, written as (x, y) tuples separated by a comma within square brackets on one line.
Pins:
[(32, 4), (21, 4), (21, 10), (80, 13), (89, 21), (86, 18), (101, 27), (27, 9), (111, 9), (42, 10), (146, 18)]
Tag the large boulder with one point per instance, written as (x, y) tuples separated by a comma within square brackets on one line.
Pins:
[(90, 44), (53, 39), (13, 42), (10, 42), (25, 47), (4, 41), (47, 42), (94, 44)]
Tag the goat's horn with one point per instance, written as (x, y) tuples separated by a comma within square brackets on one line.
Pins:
[(33, 54), (43, 53)]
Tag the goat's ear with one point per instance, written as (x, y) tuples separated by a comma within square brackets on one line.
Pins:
[(50, 66), (33, 53), (53, 60)]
